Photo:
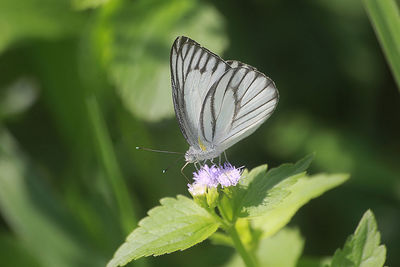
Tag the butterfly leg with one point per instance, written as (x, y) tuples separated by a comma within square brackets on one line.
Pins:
[(195, 165), (219, 160), (226, 158), (184, 173)]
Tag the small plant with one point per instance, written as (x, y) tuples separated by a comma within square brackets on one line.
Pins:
[(247, 210)]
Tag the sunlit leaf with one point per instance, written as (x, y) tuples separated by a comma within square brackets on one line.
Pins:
[(134, 40), (280, 250), (300, 190), (175, 225), (363, 247), (253, 194), (385, 18)]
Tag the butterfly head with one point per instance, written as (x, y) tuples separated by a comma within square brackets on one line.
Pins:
[(198, 154)]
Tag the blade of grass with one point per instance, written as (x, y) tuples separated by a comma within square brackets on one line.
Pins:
[(108, 159), (385, 18), (44, 226)]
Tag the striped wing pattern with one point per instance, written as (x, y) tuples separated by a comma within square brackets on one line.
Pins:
[(217, 102)]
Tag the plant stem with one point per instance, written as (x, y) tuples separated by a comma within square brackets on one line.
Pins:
[(247, 257), (107, 157)]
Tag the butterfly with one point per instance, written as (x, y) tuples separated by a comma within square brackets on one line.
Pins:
[(217, 103)]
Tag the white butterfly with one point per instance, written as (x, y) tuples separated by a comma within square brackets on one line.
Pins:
[(217, 102)]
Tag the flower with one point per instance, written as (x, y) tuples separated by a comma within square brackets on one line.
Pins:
[(203, 179), (208, 177), (229, 175)]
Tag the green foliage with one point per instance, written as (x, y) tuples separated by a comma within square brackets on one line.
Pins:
[(107, 157), (269, 198), (267, 189), (135, 42), (299, 190), (363, 247), (45, 19), (314, 262), (17, 97), (72, 183), (14, 253), (280, 250), (86, 4), (253, 193), (36, 215), (176, 225), (385, 18)]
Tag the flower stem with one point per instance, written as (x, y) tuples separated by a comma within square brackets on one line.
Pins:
[(247, 257)]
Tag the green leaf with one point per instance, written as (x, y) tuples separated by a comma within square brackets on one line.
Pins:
[(45, 19), (362, 248), (253, 194), (297, 192), (18, 97), (13, 253), (175, 225), (36, 216), (219, 238), (134, 39), (385, 18), (314, 262), (86, 4), (280, 250)]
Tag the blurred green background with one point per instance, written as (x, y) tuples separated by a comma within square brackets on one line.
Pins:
[(83, 82)]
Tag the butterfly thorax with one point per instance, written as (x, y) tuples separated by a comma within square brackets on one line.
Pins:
[(196, 154)]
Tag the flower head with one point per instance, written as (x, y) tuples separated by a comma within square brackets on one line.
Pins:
[(229, 175), (208, 177)]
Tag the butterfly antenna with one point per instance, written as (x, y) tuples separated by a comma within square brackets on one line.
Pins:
[(174, 163), (158, 151)]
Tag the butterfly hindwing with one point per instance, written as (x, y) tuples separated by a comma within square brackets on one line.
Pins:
[(237, 105)]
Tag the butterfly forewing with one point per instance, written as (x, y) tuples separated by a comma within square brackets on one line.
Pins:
[(194, 70), (217, 102)]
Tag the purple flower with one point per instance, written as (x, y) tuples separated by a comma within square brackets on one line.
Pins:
[(207, 177), (229, 175)]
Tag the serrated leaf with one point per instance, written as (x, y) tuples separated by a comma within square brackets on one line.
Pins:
[(135, 42), (280, 250), (255, 191), (362, 248), (303, 189), (175, 225)]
